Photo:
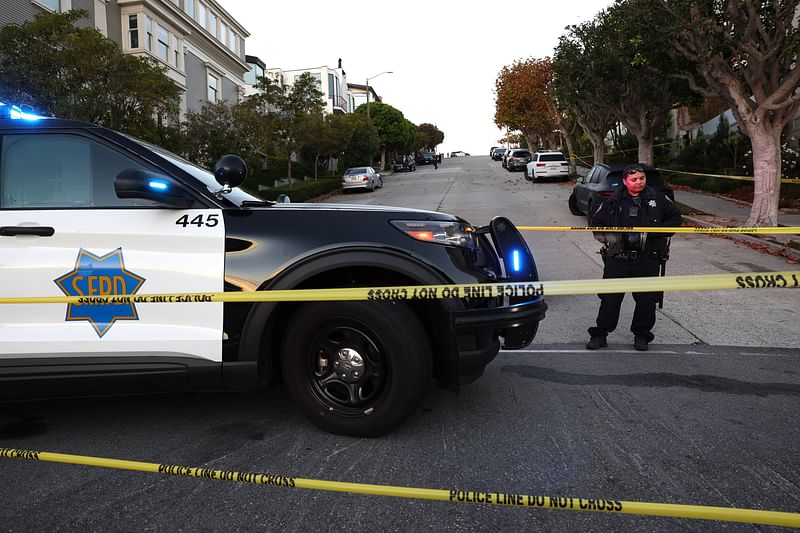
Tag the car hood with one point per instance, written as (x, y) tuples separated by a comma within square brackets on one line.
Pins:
[(360, 207)]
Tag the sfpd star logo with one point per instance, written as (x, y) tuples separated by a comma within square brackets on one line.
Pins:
[(100, 276)]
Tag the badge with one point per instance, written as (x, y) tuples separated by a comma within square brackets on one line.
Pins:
[(100, 276), (651, 203)]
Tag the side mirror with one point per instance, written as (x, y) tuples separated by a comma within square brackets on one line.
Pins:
[(283, 199), (137, 183), (230, 171)]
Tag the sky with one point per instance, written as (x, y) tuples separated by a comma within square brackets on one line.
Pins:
[(444, 65)]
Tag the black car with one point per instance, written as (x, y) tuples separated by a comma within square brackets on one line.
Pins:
[(86, 212), (498, 153), (404, 163), (602, 181), (425, 158)]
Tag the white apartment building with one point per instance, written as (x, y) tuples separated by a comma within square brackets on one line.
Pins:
[(332, 82)]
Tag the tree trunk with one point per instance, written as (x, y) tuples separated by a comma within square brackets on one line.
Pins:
[(598, 147), (289, 170), (767, 168), (573, 171), (645, 148), (316, 166), (383, 158)]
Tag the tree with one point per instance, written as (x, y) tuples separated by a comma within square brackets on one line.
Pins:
[(522, 100), (746, 51), (391, 125), (359, 139), (634, 50), (77, 73), (580, 83), (220, 128), (288, 111), (322, 141), (428, 137)]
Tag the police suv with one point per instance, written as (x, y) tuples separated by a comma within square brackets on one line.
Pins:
[(86, 211)]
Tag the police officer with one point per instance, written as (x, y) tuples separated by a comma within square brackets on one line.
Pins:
[(632, 254)]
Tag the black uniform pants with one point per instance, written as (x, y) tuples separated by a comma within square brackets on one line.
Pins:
[(644, 316)]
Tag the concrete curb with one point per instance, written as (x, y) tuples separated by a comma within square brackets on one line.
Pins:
[(784, 250)]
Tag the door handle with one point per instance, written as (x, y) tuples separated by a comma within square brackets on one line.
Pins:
[(42, 231)]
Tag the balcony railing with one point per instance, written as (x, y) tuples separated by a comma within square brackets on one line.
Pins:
[(339, 101)]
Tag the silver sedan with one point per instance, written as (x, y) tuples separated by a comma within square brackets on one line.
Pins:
[(361, 178)]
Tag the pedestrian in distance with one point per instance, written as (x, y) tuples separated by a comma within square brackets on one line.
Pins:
[(435, 163), (628, 255)]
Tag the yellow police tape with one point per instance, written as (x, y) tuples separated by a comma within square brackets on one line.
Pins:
[(781, 230), (503, 499), (726, 176), (702, 282)]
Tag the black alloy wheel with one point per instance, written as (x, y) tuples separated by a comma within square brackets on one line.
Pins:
[(356, 368)]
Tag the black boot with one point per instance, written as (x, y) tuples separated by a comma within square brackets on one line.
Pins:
[(640, 343), (596, 342)]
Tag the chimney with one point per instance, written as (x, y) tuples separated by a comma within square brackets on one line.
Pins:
[(340, 62)]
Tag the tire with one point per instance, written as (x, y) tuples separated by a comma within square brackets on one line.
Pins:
[(573, 205), (380, 182), (384, 338), (527, 177)]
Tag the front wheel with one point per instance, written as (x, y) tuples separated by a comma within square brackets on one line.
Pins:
[(356, 368), (573, 205)]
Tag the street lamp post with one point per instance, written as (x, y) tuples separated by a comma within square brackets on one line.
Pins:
[(372, 78)]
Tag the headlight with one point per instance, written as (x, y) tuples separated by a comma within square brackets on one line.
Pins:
[(449, 233)]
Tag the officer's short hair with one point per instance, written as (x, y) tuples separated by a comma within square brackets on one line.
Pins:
[(632, 169)]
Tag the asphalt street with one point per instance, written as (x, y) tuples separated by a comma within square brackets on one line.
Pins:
[(708, 416)]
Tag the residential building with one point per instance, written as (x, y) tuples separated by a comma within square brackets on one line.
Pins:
[(332, 82), (201, 45), (359, 94)]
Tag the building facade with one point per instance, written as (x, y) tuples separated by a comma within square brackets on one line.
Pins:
[(200, 44), (332, 82)]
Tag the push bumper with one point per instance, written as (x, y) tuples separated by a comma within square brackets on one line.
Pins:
[(477, 332)]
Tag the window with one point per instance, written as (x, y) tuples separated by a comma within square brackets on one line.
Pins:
[(148, 28), (175, 52), (223, 32), (52, 5), (212, 23), (77, 172), (133, 29), (331, 90), (213, 84), (163, 43), (232, 41), (201, 15), (188, 7)]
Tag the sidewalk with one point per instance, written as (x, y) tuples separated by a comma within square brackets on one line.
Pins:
[(722, 212)]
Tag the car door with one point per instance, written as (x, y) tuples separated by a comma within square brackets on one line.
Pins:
[(582, 189), (65, 232)]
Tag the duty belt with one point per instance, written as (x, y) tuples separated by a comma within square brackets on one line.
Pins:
[(633, 255)]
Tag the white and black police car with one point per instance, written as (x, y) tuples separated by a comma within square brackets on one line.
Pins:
[(88, 211)]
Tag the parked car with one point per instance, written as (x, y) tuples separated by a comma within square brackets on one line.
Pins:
[(547, 165), (405, 163), (425, 158), (459, 154), (361, 178), (602, 181), (498, 154), (491, 151), (91, 214), (517, 159)]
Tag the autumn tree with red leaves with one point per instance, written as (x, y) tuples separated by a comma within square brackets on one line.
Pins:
[(523, 101)]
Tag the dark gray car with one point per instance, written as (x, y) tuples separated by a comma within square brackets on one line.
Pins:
[(602, 181)]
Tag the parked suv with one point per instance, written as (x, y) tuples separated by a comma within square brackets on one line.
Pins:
[(498, 153), (92, 214), (425, 158), (517, 159), (547, 165), (405, 163), (602, 181)]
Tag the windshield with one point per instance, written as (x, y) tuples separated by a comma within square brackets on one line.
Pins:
[(237, 195)]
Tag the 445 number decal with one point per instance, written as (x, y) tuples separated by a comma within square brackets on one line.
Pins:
[(199, 221)]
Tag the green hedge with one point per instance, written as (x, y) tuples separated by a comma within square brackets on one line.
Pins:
[(300, 191)]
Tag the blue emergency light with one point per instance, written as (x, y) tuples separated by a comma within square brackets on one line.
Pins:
[(516, 261), (15, 112), (158, 185)]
